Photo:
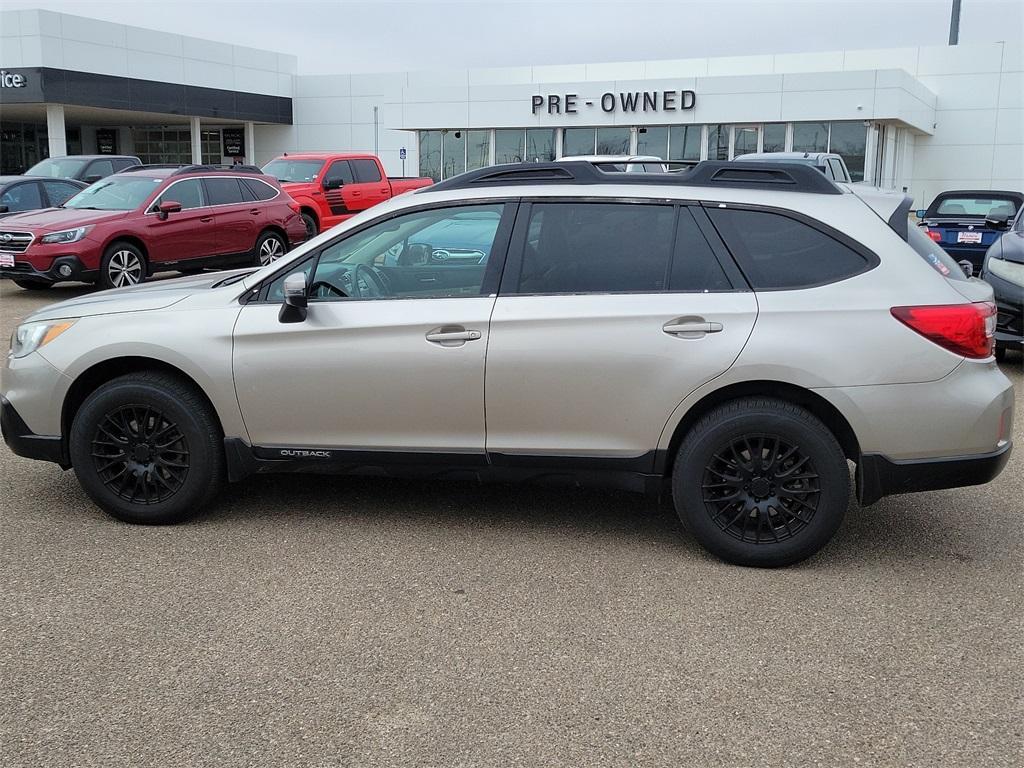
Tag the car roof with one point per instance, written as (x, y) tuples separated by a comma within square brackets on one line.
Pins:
[(92, 157), (980, 193), (322, 155)]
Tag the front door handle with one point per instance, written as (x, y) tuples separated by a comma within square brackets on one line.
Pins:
[(452, 336), (690, 327), (206, 219)]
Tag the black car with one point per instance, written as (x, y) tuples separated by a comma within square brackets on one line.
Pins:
[(966, 222), (22, 193), (1004, 271), (87, 168)]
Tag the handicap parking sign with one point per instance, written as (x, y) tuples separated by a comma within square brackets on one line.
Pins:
[(401, 154)]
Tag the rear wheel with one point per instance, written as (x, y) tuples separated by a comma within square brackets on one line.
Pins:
[(122, 265), (30, 285), (312, 228), (147, 449), (1000, 353), (761, 482), (270, 247)]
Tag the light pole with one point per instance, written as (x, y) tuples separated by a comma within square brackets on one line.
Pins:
[(954, 23)]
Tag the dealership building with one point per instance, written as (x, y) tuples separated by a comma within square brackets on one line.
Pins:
[(919, 119)]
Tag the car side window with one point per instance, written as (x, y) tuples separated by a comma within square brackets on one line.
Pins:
[(366, 171), (101, 168), (223, 191), (259, 189), (339, 170), (122, 163), (596, 247), (22, 197), (434, 253), (188, 192), (59, 191), (778, 252), (694, 266)]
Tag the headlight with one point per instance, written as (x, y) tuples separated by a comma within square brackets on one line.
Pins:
[(1010, 271), (67, 236), (29, 337)]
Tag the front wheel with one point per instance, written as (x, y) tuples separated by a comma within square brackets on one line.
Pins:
[(761, 482), (122, 265), (147, 449), (269, 248)]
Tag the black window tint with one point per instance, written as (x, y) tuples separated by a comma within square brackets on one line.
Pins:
[(596, 248), (188, 193), (259, 189), (60, 191), (366, 170), (21, 197), (247, 194), (123, 163), (339, 169), (777, 251), (694, 266), (101, 168), (222, 191)]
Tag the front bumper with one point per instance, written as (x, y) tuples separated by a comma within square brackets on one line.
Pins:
[(879, 476), (1009, 310), (62, 268), (24, 442)]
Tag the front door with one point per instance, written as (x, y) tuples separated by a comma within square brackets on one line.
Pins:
[(602, 327), (188, 234), (380, 363), (335, 179)]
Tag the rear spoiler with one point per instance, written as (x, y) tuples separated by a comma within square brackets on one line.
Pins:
[(900, 218), (891, 207)]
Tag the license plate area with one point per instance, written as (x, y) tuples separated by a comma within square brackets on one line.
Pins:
[(6, 259), (968, 237)]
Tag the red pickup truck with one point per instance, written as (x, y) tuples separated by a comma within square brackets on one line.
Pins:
[(333, 186)]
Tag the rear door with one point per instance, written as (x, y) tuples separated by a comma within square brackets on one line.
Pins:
[(609, 314), (239, 218)]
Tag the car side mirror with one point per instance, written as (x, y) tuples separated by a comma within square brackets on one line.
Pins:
[(3, 209), (166, 208), (997, 222), (296, 299), (967, 267), (920, 212), (334, 183)]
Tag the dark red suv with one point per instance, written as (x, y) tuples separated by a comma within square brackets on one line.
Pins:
[(150, 219)]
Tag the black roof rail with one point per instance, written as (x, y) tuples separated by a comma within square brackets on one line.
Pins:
[(211, 168), (785, 177)]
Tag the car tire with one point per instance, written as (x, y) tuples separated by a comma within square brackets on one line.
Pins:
[(1000, 353), (147, 448), (761, 482), (312, 228), (29, 285), (123, 264), (270, 247)]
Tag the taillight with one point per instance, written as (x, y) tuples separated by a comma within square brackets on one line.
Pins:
[(935, 235), (964, 329)]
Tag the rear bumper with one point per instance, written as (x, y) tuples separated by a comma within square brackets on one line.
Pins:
[(62, 268), (24, 442), (879, 476)]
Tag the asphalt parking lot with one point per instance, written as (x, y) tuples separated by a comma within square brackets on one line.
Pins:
[(333, 622)]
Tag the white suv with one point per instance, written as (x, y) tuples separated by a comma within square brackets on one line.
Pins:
[(738, 333)]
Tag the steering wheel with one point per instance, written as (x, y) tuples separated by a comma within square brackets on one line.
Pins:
[(330, 287), (369, 287)]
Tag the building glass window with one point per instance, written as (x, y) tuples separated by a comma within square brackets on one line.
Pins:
[(653, 140), (744, 140), (508, 145), (478, 150), (718, 142), (810, 137), (849, 141), (164, 144), (684, 143), (540, 145), (613, 141), (578, 141), (430, 154), (774, 137), (453, 153)]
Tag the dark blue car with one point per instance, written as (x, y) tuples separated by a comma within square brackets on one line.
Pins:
[(1004, 271), (966, 222)]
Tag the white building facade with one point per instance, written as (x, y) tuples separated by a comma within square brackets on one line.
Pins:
[(920, 119)]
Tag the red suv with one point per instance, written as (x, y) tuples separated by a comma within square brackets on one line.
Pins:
[(150, 219)]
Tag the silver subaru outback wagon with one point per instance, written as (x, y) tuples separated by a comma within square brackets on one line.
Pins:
[(735, 334)]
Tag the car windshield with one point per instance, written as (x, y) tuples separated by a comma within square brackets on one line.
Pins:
[(285, 170), (978, 207), (115, 193), (57, 167)]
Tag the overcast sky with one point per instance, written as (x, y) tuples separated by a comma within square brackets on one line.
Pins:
[(333, 37)]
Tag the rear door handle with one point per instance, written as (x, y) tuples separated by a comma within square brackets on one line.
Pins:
[(690, 327), (254, 211), (206, 219)]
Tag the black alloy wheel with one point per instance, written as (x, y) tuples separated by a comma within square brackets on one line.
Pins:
[(140, 454)]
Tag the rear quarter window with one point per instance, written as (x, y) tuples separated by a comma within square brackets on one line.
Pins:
[(779, 252)]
